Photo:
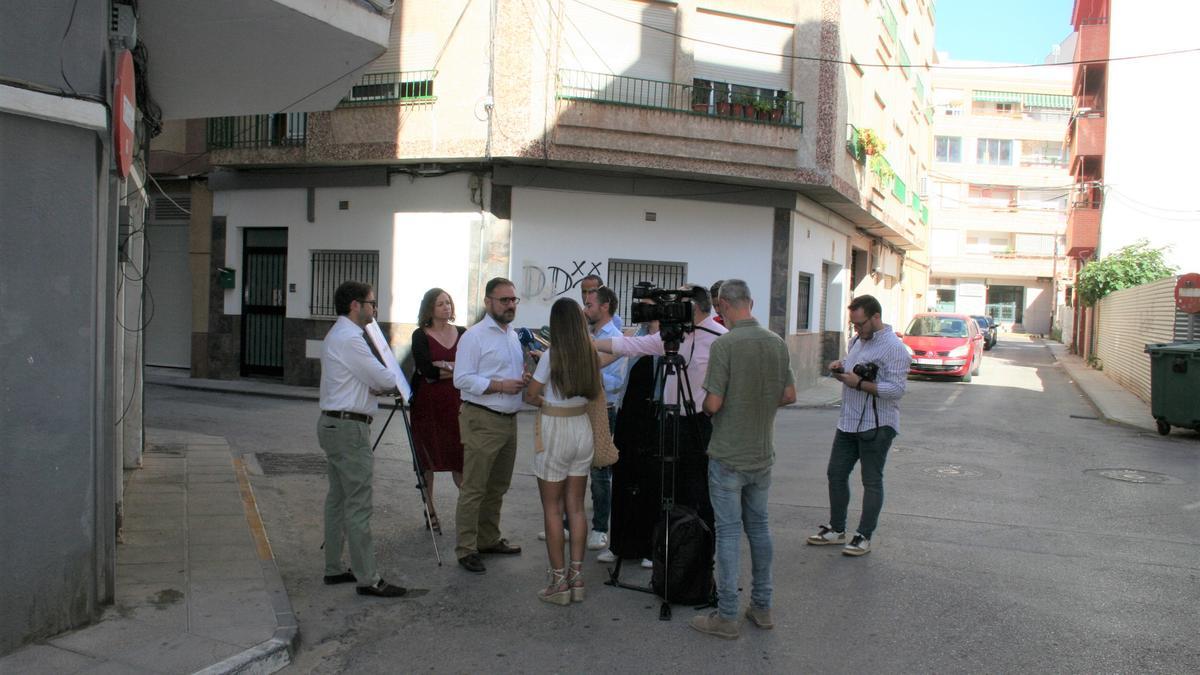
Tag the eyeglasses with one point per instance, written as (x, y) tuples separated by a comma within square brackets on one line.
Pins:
[(860, 324), (373, 303), (506, 301)]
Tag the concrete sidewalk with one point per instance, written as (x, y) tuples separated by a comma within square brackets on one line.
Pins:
[(1114, 402), (197, 588)]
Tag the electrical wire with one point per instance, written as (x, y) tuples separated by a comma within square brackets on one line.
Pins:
[(1157, 216), (62, 93), (818, 59), (62, 49), (1124, 196)]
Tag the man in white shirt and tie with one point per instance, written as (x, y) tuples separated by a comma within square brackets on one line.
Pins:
[(489, 372), (350, 372)]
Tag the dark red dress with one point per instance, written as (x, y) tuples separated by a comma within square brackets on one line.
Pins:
[(435, 406)]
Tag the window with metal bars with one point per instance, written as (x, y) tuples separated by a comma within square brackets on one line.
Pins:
[(331, 268), (624, 274), (803, 300)]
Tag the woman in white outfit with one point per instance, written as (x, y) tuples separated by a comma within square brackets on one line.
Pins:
[(567, 376)]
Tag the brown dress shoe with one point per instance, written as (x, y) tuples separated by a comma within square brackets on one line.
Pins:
[(501, 547)]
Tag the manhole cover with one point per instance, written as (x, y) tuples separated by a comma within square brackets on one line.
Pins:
[(1135, 476), (167, 449), (958, 471), (274, 463)]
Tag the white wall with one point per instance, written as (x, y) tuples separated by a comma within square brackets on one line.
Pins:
[(561, 228), (812, 245), (421, 229), (1151, 185)]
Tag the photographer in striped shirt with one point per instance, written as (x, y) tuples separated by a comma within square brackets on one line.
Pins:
[(873, 374)]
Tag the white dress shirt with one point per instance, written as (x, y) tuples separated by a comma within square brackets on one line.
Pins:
[(489, 352), (349, 371), (858, 410), (694, 350)]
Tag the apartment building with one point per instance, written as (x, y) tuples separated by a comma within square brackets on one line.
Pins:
[(1128, 187), (543, 141), (999, 191)]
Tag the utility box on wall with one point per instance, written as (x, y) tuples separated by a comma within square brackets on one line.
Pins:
[(226, 277)]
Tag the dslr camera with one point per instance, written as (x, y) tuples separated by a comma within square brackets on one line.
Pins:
[(867, 371), (672, 309)]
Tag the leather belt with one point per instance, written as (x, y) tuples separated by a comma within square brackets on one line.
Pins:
[(563, 410), (341, 415), (484, 407)]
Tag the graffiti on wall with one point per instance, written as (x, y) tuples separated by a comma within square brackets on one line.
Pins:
[(550, 282)]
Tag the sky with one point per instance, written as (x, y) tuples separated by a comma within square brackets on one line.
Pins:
[(1014, 31)]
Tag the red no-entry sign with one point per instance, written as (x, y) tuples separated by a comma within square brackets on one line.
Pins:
[(124, 113), (1187, 293)]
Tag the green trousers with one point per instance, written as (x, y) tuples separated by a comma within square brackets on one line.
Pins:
[(347, 446), (489, 452)]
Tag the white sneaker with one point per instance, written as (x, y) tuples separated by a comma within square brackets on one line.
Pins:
[(647, 563), (566, 535), (606, 556), (859, 545), (597, 540), (826, 535)]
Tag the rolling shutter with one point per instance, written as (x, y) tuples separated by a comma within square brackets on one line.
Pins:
[(408, 50), (770, 70), (618, 37)]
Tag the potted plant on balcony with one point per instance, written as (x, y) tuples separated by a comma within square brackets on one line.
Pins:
[(743, 106), (762, 109), (881, 168), (870, 142), (781, 105), (723, 108)]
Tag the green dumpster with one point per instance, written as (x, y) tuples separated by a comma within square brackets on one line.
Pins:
[(1175, 385)]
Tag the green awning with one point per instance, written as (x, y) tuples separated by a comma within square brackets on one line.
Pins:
[(998, 96), (1029, 100), (1048, 101)]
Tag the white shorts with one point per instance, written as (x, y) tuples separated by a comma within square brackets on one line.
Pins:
[(568, 448)]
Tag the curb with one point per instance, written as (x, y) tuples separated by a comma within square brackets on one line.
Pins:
[(276, 652), (1100, 414), (234, 389)]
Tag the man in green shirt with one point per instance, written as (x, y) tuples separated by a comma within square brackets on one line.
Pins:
[(748, 378)]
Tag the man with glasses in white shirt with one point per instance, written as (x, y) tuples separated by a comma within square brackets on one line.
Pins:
[(489, 373), (350, 373)]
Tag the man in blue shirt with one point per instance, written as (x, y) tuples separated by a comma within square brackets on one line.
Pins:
[(588, 285), (599, 306)]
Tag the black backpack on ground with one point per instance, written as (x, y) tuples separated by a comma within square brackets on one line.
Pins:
[(685, 576)]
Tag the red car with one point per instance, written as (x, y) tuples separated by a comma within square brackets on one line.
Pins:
[(944, 344)]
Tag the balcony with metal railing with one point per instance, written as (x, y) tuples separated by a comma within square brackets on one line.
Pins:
[(712, 100), (887, 192), (403, 88), (280, 130)]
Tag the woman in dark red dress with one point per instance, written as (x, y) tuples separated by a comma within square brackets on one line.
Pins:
[(435, 400)]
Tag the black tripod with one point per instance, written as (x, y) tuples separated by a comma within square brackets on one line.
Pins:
[(667, 415), (418, 467)]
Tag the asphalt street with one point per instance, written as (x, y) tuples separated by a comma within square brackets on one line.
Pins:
[(1019, 533)]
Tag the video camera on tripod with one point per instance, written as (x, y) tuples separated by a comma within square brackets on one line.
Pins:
[(672, 309)]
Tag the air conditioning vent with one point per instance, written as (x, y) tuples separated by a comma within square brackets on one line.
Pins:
[(166, 212)]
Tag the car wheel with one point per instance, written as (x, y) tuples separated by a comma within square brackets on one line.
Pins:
[(967, 376), (976, 366)]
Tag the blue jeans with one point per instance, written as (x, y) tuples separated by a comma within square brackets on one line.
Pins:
[(870, 447), (602, 487), (739, 499)]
